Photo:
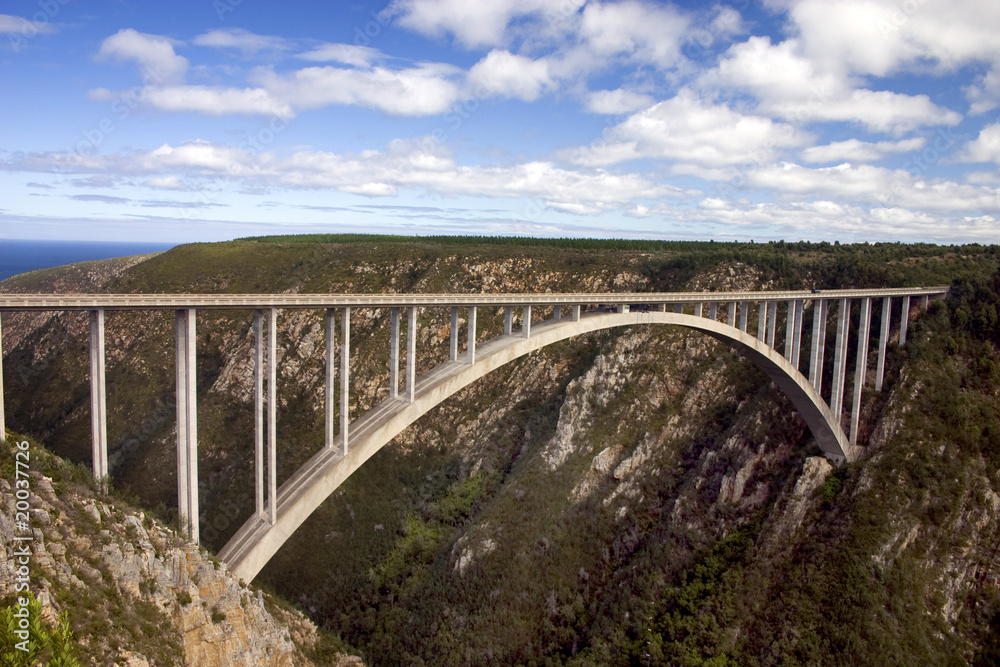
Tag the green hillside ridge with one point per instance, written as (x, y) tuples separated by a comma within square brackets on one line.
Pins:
[(639, 496)]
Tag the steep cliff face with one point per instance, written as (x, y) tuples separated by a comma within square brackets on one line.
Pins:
[(638, 496), (134, 591)]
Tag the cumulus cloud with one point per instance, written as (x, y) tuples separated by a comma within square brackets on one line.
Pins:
[(505, 74), (985, 148), (791, 86), (688, 129), (641, 31), (154, 53)]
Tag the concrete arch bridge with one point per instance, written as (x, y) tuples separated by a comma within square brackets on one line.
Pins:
[(280, 511)]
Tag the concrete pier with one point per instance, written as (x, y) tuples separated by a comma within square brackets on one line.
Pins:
[(453, 355), (330, 403), (345, 378), (818, 342), (272, 414), (772, 322), (258, 402), (471, 348), (762, 321), (904, 319), (840, 359), (789, 329), (883, 339), (98, 398), (508, 320), (393, 352), (187, 422), (731, 313), (411, 354), (797, 333), (861, 368), (713, 311), (744, 312), (526, 323)]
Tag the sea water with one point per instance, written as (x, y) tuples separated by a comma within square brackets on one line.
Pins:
[(18, 256)]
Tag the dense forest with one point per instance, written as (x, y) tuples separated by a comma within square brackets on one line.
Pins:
[(637, 496)]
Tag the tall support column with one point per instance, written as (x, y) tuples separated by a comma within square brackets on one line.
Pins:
[(557, 312), (180, 351), (789, 330), (904, 320), (744, 313), (394, 353), (840, 359), (575, 313), (454, 333), (623, 308), (762, 321), (924, 301), (331, 379), (471, 349), (411, 354), (861, 368), (187, 422), (713, 311), (3, 418), (797, 333), (526, 323), (345, 378), (731, 313), (883, 339), (258, 409), (272, 415), (508, 320), (772, 322), (698, 309), (816, 356), (98, 397)]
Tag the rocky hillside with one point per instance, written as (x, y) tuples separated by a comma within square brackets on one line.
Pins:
[(639, 496), (134, 592)]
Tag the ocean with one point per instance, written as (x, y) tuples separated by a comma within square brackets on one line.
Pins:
[(18, 256)]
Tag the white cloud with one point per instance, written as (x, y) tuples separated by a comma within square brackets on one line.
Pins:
[(689, 130), (509, 75), (984, 94), (620, 101), (346, 54), (244, 40), (855, 150), (153, 52), (985, 148), (216, 101), (420, 164), (791, 86), (641, 31), (881, 37), (425, 89), (477, 24)]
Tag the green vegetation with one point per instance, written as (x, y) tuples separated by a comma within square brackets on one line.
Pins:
[(52, 646)]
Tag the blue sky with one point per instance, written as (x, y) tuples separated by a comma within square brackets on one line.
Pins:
[(849, 120)]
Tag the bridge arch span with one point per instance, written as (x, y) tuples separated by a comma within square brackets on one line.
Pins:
[(257, 540)]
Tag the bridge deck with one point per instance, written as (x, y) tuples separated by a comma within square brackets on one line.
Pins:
[(15, 302)]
